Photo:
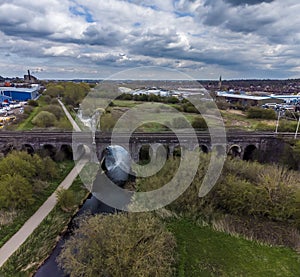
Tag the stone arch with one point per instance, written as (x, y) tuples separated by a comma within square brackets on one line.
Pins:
[(249, 153), (201, 148), (134, 150), (204, 148), (177, 151), (8, 148), (66, 151), (49, 150), (28, 148), (144, 153), (80, 151), (235, 151), (219, 149)]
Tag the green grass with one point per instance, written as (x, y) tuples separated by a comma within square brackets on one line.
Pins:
[(8, 231), (63, 123), (27, 124), (126, 103), (240, 121), (205, 252), (26, 260)]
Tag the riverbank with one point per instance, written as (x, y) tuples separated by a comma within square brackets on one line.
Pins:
[(40, 244)]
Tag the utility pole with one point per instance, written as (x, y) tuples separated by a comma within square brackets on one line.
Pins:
[(297, 128), (277, 124)]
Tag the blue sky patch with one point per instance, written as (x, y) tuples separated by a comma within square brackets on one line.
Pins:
[(82, 11), (183, 14)]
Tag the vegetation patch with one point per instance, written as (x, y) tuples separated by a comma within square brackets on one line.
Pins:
[(255, 112), (119, 245), (43, 113), (246, 190), (205, 252), (39, 245), (40, 177)]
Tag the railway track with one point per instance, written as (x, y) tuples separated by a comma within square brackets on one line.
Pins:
[(230, 133)]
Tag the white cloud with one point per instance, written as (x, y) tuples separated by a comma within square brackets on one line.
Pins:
[(200, 36)]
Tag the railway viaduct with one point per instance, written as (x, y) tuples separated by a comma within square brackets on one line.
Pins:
[(239, 144)]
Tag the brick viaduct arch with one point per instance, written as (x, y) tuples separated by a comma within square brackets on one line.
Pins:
[(240, 145)]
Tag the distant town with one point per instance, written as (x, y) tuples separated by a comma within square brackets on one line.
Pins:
[(279, 95)]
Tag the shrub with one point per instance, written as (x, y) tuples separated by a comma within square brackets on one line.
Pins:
[(16, 192), (66, 199), (244, 189), (33, 103), (256, 112), (17, 162), (178, 107), (172, 100), (28, 109), (287, 126), (199, 123), (125, 96), (54, 101), (179, 122), (47, 99), (44, 119), (54, 109), (222, 104), (23, 176), (107, 122), (119, 245), (46, 168), (64, 125)]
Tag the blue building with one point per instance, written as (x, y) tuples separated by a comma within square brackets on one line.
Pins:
[(20, 94), (4, 98)]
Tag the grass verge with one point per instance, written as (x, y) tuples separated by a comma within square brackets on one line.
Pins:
[(27, 259), (27, 124), (8, 231), (205, 252)]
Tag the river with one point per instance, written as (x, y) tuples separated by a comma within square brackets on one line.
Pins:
[(114, 157), (91, 206)]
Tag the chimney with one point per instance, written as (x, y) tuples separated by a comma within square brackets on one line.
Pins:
[(29, 77)]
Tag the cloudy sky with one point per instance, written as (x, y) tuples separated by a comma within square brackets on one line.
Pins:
[(203, 38)]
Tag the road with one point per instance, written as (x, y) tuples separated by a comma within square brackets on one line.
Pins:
[(34, 221)]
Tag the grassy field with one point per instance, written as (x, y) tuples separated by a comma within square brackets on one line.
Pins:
[(151, 117), (7, 231), (205, 252), (26, 125), (233, 119), (237, 119), (126, 103), (26, 260)]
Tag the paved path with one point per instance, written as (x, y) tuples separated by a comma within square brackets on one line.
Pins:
[(74, 124), (34, 221)]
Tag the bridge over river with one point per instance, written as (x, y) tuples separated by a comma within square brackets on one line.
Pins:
[(238, 143)]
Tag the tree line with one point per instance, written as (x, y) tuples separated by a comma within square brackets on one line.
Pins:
[(23, 177)]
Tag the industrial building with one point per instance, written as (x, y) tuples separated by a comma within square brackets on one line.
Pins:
[(4, 98), (20, 93), (245, 99)]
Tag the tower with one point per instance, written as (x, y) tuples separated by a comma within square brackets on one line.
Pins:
[(220, 83)]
